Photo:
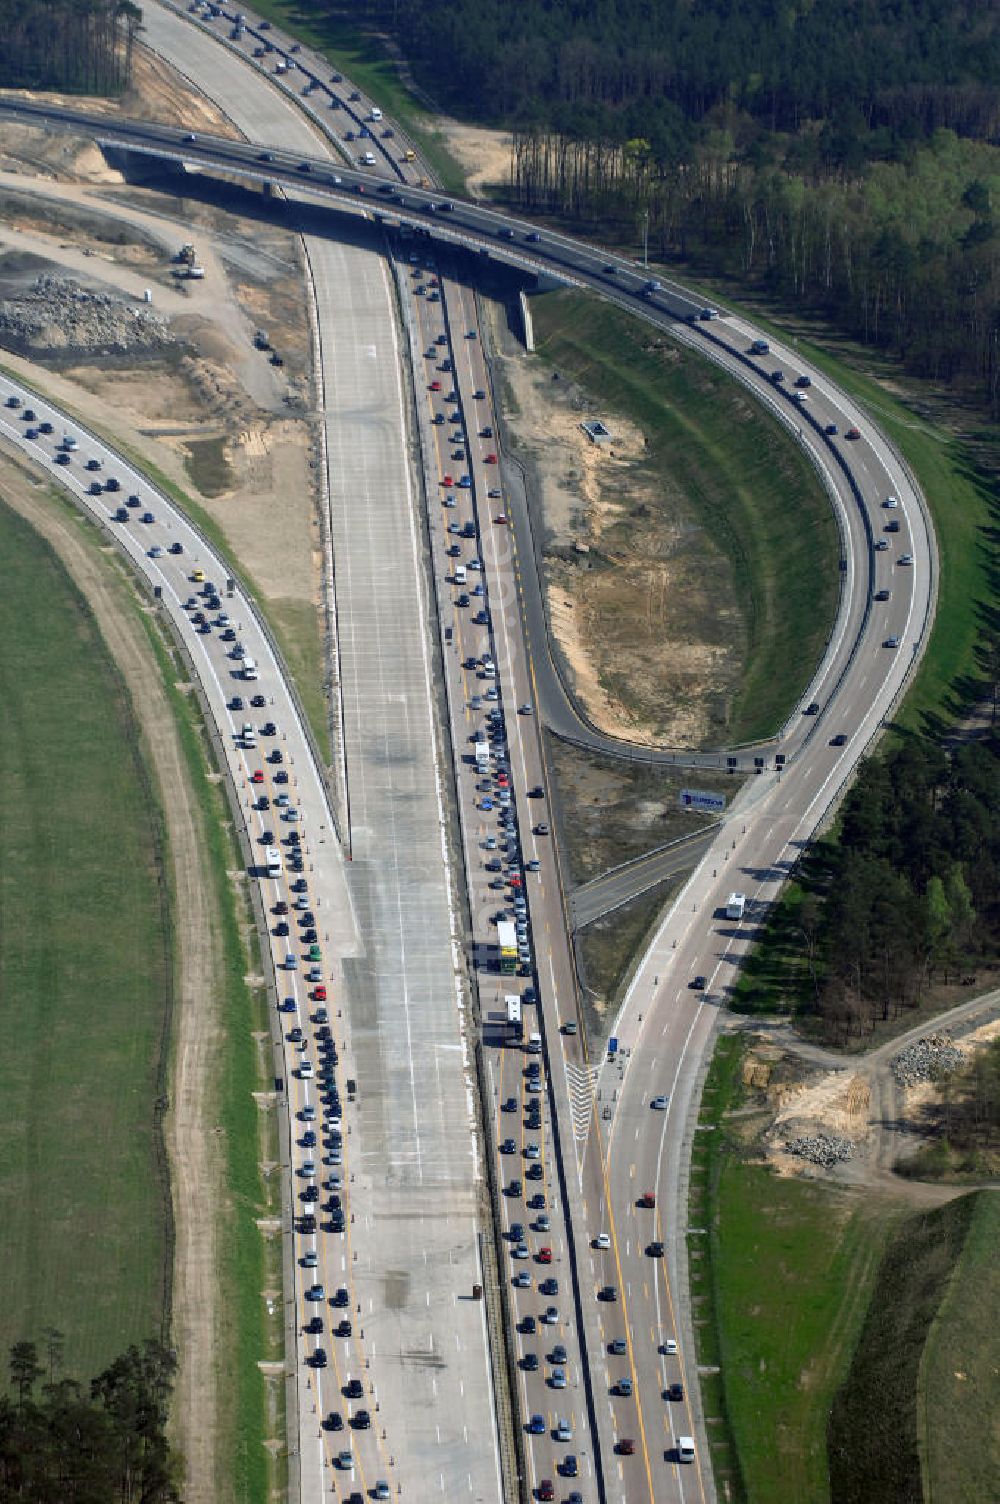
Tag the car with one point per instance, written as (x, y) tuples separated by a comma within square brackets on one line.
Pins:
[(545, 1255), (803, 381), (654, 1250), (361, 1420), (625, 1446), (345, 1461), (852, 433), (674, 1391), (660, 1103), (541, 829), (569, 1466), (608, 1294), (563, 1430), (514, 1188), (840, 740), (891, 502), (257, 776), (602, 1240), (550, 1316), (557, 1378), (617, 1347), (521, 1280), (698, 984), (881, 545), (647, 1200), (519, 1251), (668, 1346), (623, 1388), (831, 430), (309, 1260), (777, 377), (532, 1152), (812, 708), (313, 1326), (333, 1422), (536, 1425), (905, 559), (353, 1389), (891, 642), (882, 595), (545, 1489), (529, 1363)]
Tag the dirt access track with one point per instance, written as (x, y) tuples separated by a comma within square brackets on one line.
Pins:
[(858, 1098), (197, 1169)]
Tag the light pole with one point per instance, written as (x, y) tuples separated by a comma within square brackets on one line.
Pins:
[(645, 238)]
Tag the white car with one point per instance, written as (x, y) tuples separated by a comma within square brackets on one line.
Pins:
[(660, 1104), (603, 1240), (891, 502), (906, 558), (668, 1345)]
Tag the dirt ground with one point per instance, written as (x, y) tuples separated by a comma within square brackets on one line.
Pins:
[(214, 385), (619, 612), (197, 1170), (857, 1100), (484, 155), (158, 92)]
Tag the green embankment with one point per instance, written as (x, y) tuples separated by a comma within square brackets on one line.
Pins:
[(746, 484), (963, 506), (85, 979), (903, 1403), (247, 1263), (781, 1282), (959, 1390)]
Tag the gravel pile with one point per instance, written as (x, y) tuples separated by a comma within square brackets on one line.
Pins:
[(821, 1149), (927, 1060), (60, 315)]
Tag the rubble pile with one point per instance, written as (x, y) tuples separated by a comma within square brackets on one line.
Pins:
[(58, 314), (821, 1149), (927, 1060)]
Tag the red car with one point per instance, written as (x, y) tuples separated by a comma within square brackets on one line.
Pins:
[(545, 1255), (545, 1489), (852, 433), (500, 518), (256, 776), (449, 480), (435, 386), (319, 995), (647, 1199), (491, 459), (625, 1447)]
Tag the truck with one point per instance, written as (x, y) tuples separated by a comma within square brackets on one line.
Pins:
[(272, 861), (368, 160), (482, 750), (376, 113), (507, 946), (512, 1004), (735, 904), (248, 667)]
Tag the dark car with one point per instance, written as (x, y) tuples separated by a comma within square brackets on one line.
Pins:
[(698, 984), (674, 1392)]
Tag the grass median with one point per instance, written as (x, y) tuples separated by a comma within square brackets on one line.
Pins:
[(85, 979)]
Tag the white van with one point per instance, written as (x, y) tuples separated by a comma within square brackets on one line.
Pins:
[(685, 1449), (249, 667), (376, 113), (534, 1045)]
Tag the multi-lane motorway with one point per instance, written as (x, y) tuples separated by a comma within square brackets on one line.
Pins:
[(591, 1175)]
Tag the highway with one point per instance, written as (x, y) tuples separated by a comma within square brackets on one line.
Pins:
[(600, 1144), (400, 985)]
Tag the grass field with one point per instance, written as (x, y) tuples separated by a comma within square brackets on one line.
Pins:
[(782, 1283), (746, 484), (363, 58), (85, 963), (958, 1393)]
